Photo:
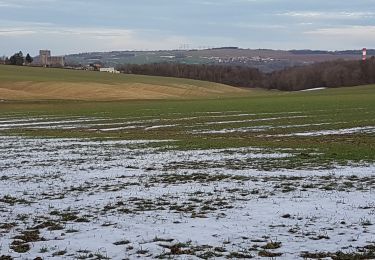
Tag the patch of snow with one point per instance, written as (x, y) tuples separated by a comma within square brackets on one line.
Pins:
[(160, 126), (343, 131), (252, 120), (312, 89)]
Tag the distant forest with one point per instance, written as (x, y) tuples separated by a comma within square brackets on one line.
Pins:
[(327, 74)]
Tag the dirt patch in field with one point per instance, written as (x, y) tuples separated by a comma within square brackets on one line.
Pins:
[(99, 91)]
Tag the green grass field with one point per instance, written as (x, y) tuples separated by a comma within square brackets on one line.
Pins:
[(267, 119)]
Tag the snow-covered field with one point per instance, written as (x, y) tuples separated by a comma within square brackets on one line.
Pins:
[(209, 123), (87, 199)]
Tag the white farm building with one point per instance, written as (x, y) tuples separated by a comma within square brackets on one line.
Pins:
[(109, 70)]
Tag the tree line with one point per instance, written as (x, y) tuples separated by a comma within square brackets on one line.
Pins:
[(331, 74), (231, 75), (326, 74), (17, 59)]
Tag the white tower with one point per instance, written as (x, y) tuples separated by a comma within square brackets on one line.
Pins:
[(364, 54)]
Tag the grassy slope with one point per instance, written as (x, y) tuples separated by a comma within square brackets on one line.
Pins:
[(343, 107), (15, 74), (26, 83)]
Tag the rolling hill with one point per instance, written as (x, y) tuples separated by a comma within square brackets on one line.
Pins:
[(28, 83), (263, 59)]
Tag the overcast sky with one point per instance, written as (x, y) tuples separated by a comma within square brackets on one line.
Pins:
[(71, 26)]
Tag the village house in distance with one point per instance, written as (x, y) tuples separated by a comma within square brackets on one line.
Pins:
[(46, 60)]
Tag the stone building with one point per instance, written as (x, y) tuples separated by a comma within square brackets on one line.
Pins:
[(46, 60)]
